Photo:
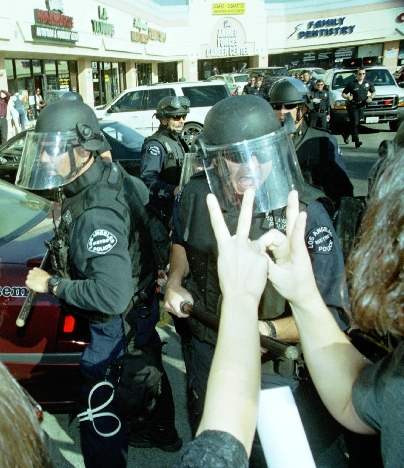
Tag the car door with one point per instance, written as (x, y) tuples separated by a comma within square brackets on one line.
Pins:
[(152, 98), (128, 109)]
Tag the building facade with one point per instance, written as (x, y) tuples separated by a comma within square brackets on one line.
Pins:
[(101, 48)]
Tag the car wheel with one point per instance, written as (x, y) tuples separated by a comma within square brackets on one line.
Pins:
[(191, 130), (393, 124)]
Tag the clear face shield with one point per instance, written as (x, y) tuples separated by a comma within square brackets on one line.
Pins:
[(267, 164), (50, 160), (191, 165)]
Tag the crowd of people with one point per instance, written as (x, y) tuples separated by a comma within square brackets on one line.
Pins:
[(16, 112), (240, 232)]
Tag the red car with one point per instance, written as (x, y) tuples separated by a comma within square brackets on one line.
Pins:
[(44, 354)]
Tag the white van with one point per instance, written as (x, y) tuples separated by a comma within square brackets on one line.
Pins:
[(136, 107)]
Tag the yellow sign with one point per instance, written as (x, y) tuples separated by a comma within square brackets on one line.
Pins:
[(228, 8)]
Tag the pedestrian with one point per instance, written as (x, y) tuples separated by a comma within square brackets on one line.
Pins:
[(319, 115), (99, 269), (18, 113), (4, 98), (256, 154), (39, 102), (308, 80), (250, 86), (358, 94), (318, 153), (366, 397)]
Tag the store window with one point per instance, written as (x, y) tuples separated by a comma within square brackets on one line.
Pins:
[(144, 73), (107, 82), (167, 72)]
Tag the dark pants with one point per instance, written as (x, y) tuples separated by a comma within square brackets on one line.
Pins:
[(318, 120), (323, 432), (106, 345), (354, 117), (3, 129), (162, 418)]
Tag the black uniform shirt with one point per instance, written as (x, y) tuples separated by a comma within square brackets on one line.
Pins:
[(359, 92), (153, 158), (324, 101), (98, 254), (321, 240)]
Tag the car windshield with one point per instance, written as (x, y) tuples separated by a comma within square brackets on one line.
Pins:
[(19, 211), (241, 78), (205, 96), (125, 135), (378, 77)]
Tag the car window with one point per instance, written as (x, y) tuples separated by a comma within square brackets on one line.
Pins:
[(155, 95), (19, 211), (15, 147), (123, 134), (129, 102), (205, 96), (341, 79), (380, 77), (241, 78)]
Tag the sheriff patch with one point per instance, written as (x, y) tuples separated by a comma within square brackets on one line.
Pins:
[(153, 150), (101, 242), (320, 240)]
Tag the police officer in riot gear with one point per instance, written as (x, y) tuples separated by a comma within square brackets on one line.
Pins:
[(319, 115), (109, 275), (308, 80), (358, 93), (161, 161), (317, 151), (243, 145)]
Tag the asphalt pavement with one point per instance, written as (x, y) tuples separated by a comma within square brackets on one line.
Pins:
[(64, 435)]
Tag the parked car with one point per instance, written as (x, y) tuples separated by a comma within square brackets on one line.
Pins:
[(386, 106), (126, 144), (136, 107), (316, 73), (43, 355), (234, 81), (268, 71)]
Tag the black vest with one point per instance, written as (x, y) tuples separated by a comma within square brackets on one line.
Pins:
[(201, 249)]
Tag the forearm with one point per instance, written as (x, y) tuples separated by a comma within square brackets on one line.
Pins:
[(179, 267), (234, 379), (334, 364)]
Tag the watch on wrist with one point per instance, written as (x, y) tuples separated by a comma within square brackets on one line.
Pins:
[(53, 283), (272, 329)]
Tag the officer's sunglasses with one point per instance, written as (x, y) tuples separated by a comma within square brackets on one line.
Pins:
[(178, 117), (286, 106)]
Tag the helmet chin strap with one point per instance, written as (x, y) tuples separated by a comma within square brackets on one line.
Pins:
[(75, 169)]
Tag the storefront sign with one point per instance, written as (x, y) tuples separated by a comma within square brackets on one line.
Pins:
[(229, 40), (228, 8), (101, 26), (144, 34), (53, 25), (322, 28)]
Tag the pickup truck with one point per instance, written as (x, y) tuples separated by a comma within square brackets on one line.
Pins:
[(387, 104)]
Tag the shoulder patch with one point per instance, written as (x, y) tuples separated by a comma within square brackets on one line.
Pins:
[(101, 242), (154, 150), (320, 240)]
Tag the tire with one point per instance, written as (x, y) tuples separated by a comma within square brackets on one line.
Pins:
[(393, 124), (191, 130)]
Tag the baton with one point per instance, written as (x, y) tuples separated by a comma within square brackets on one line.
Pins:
[(26, 307), (276, 347)]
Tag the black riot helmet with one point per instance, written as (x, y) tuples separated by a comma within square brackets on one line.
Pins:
[(70, 114), (66, 135), (238, 118), (288, 91), (170, 106), (242, 145)]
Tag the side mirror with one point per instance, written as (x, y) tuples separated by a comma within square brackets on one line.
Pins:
[(401, 84), (113, 109)]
